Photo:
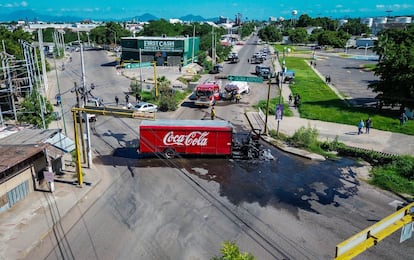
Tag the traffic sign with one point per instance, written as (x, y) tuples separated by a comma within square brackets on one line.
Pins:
[(245, 78), (137, 65)]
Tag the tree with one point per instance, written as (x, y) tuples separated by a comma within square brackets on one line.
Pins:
[(304, 21), (230, 251), (247, 28), (355, 27), (269, 33), (333, 38), (298, 35), (395, 68), (31, 107), (11, 41), (107, 34), (162, 27)]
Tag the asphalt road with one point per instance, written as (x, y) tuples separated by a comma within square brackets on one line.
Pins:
[(151, 208)]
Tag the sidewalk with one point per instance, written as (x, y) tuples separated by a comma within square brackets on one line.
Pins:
[(377, 140), (29, 222)]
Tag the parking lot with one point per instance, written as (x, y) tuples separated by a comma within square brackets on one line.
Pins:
[(348, 75)]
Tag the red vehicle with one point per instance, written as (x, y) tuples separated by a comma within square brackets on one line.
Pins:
[(172, 137), (207, 94)]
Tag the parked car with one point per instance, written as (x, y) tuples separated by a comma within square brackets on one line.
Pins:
[(146, 107), (216, 69)]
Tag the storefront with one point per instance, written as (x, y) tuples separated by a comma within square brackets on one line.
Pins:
[(165, 51)]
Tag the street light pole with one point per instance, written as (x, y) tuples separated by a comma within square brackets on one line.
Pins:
[(267, 107)]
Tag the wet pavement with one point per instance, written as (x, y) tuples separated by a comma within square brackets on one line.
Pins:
[(288, 182)]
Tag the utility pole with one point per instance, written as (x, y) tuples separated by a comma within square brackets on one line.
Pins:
[(192, 54), (267, 107), (80, 115), (42, 59), (75, 127), (60, 94), (85, 98), (11, 89), (213, 46), (140, 70), (155, 79), (30, 72)]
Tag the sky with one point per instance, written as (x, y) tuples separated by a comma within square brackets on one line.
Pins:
[(260, 10)]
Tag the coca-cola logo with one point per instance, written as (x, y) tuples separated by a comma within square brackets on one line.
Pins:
[(195, 138)]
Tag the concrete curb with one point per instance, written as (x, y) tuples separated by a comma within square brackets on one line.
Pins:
[(279, 144)]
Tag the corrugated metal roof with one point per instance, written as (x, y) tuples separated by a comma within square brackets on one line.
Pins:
[(38, 136), (62, 142), (12, 155)]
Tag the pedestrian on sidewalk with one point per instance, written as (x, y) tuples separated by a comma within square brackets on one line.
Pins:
[(368, 125), (290, 98), (116, 100), (213, 113), (58, 100), (403, 118), (137, 97), (126, 99), (360, 126)]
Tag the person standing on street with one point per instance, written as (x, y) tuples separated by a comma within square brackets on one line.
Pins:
[(368, 124), (360, 126), (126, 99), (116, 100), (58, 100), (213, 113), (238, 97)]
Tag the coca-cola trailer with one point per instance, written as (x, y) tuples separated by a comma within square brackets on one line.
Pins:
[(172, 137), (192, 137)]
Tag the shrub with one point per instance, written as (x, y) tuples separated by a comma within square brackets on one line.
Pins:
[(404, 166), (167, 102), (306, 137)]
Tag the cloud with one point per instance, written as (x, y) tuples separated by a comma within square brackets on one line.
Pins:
[(14, 5)]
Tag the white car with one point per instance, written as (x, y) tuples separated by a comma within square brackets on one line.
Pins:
[(145, 107)]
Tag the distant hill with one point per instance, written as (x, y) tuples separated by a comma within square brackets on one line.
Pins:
[(29, 15), (192, 18), (145, 18)]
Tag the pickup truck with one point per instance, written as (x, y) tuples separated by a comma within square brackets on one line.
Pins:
[(263, 71), (233, 57)]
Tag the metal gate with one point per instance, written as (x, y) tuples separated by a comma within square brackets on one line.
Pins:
[(18, 193)]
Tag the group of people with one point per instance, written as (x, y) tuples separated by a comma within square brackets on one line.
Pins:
[(403, 118), (328, 79), (296, 103), (367, 124), (137, 97)]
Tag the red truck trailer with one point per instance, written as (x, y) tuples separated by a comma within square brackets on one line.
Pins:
[(198, 137), (172, 137)]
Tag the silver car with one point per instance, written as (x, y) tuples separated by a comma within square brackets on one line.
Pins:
[(145, 107)]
